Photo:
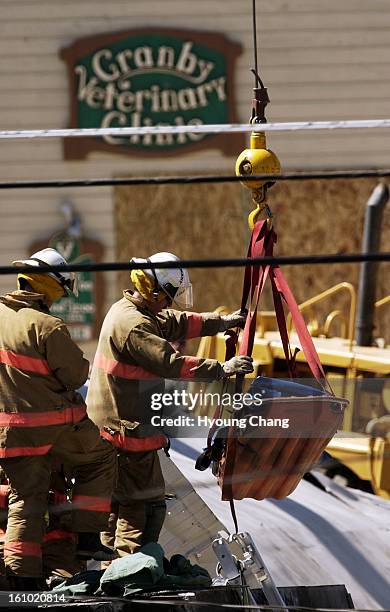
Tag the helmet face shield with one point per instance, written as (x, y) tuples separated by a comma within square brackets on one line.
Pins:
[(184, 298), (174, 282), (70, 284)]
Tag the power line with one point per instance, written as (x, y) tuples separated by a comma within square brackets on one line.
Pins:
[(219, 128), (204, 263), (188, 180)]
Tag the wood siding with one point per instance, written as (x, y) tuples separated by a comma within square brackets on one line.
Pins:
[(320, 61)]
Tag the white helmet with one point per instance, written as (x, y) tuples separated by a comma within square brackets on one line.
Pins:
[(175, 282), (51, 257)]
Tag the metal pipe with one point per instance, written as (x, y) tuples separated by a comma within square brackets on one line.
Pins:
[(368, 271), (326, 294)]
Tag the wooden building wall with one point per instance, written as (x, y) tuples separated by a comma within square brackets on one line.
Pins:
[(320, 60), (204, 221)]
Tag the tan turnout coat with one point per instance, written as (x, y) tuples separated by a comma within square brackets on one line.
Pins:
[(133, 355), (40, 369)]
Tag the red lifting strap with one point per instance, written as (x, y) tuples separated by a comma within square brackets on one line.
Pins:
[(261, 245)]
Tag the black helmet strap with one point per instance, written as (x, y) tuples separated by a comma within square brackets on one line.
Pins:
[(63, 281), (168, 288)]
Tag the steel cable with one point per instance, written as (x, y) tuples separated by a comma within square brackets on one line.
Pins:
[(188, 180), (205, 263)]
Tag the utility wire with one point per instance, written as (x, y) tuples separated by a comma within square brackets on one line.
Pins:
[(189, 180), (217, 128), (204, 263)]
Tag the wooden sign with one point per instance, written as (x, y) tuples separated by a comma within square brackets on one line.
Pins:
[(152, 77)]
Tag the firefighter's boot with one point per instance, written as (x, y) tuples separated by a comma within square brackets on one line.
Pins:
[(24, 583), (89, 546)]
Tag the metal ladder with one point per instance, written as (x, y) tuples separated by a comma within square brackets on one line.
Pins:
[(250, 570)]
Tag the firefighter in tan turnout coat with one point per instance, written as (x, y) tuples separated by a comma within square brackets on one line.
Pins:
[(134, 353), (42, 419)]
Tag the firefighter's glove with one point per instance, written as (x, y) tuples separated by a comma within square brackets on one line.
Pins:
[(238, 365), (235, 319)]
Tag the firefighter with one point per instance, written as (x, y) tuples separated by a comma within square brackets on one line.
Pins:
[(59, 545), (134, 353), (59, 559), (43, 419), (4, 492)]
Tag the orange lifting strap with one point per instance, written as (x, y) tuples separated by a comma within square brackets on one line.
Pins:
[(253, 464)]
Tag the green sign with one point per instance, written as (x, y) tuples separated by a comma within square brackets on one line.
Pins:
[(151, 78), (78, 312)]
